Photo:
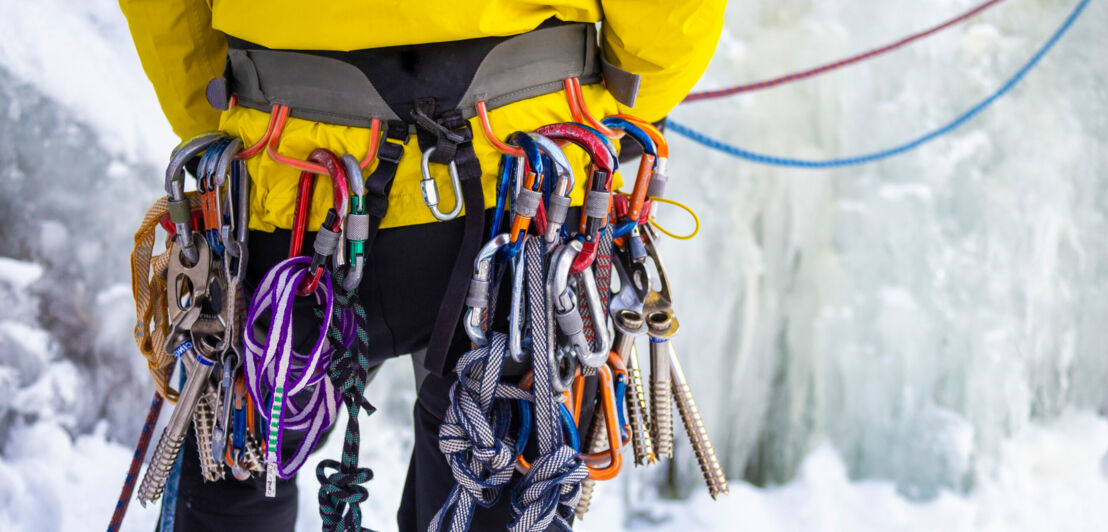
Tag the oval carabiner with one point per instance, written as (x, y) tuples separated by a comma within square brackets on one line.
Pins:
[(565, 307), (477, 298), (179, 210), (431, 191)]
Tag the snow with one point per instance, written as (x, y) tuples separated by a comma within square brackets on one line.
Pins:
[(913, 345)]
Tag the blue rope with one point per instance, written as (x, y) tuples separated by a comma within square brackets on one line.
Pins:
[(741, 153)]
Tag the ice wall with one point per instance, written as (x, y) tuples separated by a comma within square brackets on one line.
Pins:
[(916, 311)]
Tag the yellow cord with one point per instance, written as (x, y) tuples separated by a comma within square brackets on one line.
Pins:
[(684, 207)]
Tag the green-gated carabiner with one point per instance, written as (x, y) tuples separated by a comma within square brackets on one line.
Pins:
[(431, 191)]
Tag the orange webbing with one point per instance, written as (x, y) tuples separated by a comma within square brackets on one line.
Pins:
[(148, 286)]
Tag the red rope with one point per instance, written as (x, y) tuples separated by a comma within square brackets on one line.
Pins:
[(765, 84), (136, 462)]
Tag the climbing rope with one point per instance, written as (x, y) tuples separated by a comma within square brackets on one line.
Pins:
[(835, 65), (748, 155), (136, 461), (473, 436), (550, 490), (341, 492)]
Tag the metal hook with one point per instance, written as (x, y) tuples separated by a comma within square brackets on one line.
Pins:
[(431, 192)]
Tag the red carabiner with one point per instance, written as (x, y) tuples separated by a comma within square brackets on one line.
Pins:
[(335, 216), (603, 167)]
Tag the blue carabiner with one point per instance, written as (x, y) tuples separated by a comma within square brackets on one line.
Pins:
[(635, 132), (569, 427), (503, 193)]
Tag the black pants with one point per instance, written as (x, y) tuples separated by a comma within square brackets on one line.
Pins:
[(402, 288)]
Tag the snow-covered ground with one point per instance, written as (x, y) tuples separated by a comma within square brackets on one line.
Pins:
[(913, 345)]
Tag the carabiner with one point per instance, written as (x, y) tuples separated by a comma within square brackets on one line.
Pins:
[(431, 191), (529, 198), (647, 164), (516, 316), (565, 306), (598, 198), (477, 298), (357, 222), (330, 232), (558, 206), (179, 210), (613, 426)]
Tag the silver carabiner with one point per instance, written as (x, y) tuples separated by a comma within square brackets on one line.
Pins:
[(477, 299), (431, 191), (516, 318), (559, 199), (179, 209), (565, 307)]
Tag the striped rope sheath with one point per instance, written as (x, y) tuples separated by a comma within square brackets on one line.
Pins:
[(822, 69), (755, 157), (474, 435), (275, 373), (550, 490), (341, 492)]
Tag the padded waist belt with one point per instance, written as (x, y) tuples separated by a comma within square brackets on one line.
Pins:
[(352, 88)]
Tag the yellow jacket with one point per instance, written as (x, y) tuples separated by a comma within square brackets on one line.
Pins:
[(181, 45)]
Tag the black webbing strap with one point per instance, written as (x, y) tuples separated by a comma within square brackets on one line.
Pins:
[(454, 127), (379, 183)]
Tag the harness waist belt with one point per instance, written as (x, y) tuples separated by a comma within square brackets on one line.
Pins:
[(352, 88)]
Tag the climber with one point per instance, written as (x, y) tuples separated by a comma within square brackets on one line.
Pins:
[(290, 77)]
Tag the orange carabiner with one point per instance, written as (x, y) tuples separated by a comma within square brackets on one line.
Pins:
[(611, 457)]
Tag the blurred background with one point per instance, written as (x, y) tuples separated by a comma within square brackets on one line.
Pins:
[(917, 344)]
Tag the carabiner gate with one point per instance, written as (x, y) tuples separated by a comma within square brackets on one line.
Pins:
[(477, 298), (565, 307)]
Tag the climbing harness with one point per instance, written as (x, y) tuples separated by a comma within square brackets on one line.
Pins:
[(562, 427)]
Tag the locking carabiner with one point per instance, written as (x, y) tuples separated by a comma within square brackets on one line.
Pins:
[(477, 298), (559, 202), (431, 191), (357, 222), (330, 232), (179, 210), (565, 306), (529, 198), (598, 198)]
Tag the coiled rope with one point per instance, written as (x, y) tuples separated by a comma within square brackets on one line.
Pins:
[(755, 157), (550, 490)]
